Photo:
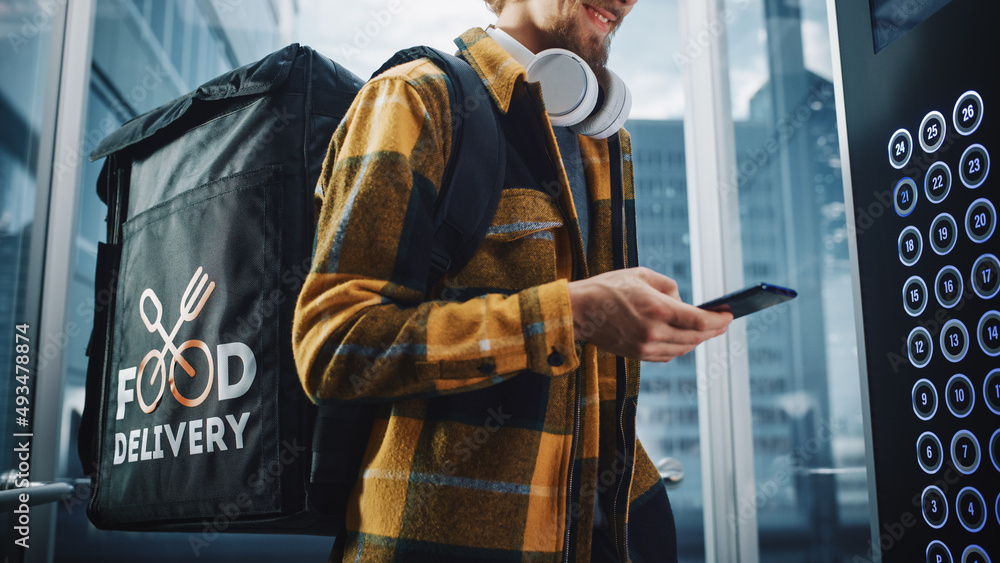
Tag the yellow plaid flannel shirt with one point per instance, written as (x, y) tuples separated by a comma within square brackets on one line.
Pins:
[(481, 390)]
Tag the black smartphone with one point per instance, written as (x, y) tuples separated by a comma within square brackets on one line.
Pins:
[(750, 299)]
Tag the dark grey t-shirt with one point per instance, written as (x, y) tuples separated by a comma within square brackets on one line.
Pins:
[(569, 148)]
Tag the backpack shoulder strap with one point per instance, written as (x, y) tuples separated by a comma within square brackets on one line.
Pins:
[(474, 174)]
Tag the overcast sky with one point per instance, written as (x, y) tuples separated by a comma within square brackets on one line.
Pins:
[(362, 34)]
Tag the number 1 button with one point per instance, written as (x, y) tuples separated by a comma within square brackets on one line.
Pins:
[(975, 554)]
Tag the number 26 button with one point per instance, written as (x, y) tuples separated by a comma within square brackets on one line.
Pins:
[(968, 112)]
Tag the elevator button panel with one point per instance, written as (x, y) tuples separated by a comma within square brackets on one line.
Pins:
[(949, 322)]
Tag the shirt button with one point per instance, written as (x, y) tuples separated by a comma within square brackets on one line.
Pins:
[(556, 359), (487, 369)]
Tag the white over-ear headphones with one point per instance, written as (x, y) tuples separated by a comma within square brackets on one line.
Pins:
[(573, 97)]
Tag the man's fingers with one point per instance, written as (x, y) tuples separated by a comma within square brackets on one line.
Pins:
[(664, 351), (665, 333), (659, 282), (692, 318)]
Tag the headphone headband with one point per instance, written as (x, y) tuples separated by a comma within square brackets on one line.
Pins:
[(571, 89)]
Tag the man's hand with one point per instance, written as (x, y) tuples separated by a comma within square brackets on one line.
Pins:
[(638, 313)]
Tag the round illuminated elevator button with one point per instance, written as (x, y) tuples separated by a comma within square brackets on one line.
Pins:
[(900, 148), (988, 332), (975, 165), (954, 340), (960, 395), (937, 182), (965, 452), (911, 245), (975, 554), (929, 453), (995, 455), (914, 296), (981, 220), (904, 196), (991, 391), (971, 509), (925, 399), (920, 347), (934, 507), (968, 113), (938, 552), (948, 286), (932, 131), (986, 276), (943, 234)]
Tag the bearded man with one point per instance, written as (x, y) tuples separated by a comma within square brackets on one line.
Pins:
[(505, 427)]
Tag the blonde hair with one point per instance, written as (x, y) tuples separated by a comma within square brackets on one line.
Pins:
[(495, 6)]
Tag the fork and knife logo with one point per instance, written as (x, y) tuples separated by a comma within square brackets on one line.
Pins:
[(192, 302)]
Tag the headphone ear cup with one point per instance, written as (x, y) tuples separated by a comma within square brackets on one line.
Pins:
[(569, 87), (611, 112)]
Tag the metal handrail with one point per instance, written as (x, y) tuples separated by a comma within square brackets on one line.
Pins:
[(37, 492)]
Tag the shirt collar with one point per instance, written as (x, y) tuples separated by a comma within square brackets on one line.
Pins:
[(499, 71)]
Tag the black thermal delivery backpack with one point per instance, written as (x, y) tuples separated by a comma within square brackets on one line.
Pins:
[(195, 418)]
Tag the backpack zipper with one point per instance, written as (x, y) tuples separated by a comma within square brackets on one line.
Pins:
[(621, 481), (572, 464)]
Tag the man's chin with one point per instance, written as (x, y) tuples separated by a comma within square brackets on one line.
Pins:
[(591, 49), (597, 58)]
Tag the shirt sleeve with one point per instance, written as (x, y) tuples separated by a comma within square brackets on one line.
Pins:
[(363, 329)]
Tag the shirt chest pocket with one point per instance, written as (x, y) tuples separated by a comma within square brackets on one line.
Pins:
[(525, 246)]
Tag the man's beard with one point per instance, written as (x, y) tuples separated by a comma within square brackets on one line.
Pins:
[(566, 34)]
